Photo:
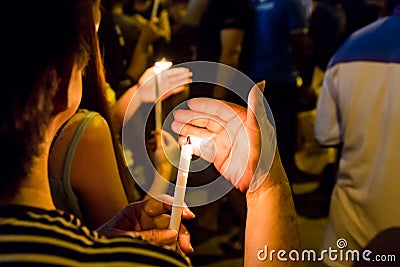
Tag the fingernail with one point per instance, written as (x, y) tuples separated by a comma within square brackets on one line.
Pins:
[(189, 212), (191, 248)]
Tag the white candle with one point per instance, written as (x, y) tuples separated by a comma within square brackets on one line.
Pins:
[(180, 186), (158, 105), (155, 8), (159, 66)]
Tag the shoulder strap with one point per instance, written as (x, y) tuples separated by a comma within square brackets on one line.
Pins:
[(73, 145)]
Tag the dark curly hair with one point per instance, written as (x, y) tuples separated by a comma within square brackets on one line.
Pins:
[(41, 41)]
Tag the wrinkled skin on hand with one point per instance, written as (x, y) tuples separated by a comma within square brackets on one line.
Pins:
[(148, 219), (240, 142)]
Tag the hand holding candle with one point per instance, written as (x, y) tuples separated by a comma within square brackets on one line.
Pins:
[(243, 140)]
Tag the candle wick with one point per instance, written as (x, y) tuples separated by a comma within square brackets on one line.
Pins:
[(188, 140)]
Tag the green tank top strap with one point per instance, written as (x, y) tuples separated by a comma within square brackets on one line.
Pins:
[(72, 148)]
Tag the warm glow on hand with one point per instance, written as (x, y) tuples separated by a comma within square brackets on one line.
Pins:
[(173, 82), (243, 141)]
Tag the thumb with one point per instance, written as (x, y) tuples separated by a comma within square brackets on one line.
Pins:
[(159, 236), (261, 134), (256, 109), (261, 86)]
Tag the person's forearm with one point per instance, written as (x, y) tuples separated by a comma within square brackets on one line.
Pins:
[(231, 46), (165, 25), (120, 108), (271, 221), (228, 57), (303, 52), (161, 180), (140, 59)]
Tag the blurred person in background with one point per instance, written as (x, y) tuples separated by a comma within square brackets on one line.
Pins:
[(280, 52), (358, 111)]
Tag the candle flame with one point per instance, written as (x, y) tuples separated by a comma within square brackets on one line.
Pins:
[(161, 65), (197, 142)]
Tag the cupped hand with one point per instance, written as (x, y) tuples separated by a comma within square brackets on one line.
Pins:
[(173, 81), (241, 142), (148, 219)]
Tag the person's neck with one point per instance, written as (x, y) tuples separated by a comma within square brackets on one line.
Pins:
[(35, 189)]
